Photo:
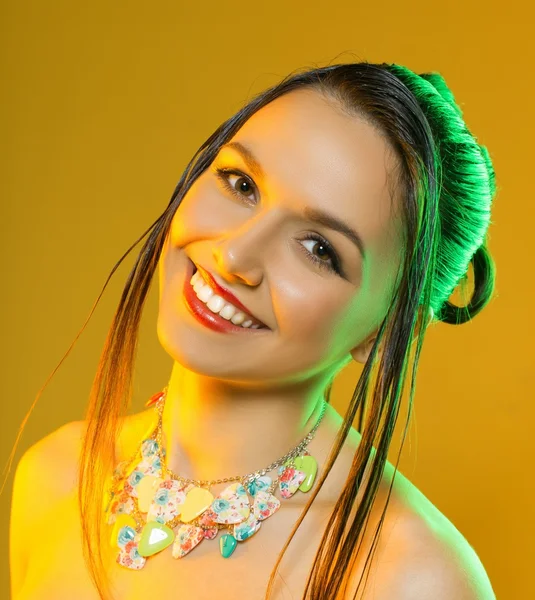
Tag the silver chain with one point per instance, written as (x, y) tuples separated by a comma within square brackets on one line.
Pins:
[(121, 469), (244, 479)]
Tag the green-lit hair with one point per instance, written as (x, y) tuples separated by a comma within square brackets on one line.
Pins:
[(447, 184)]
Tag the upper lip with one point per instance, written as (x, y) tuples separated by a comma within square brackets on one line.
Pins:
[(226, 294)]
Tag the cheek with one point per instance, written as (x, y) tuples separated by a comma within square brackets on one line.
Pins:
[(204, 210), (313, 315), (196, 211), (323, 327)]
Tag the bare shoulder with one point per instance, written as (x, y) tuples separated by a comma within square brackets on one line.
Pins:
[(46, 470), (426, 556), (49, 470), (49, 465)]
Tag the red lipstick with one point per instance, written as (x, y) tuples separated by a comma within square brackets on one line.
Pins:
[(226, 294), (205, 316)]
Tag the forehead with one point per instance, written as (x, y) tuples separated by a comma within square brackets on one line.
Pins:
[(315, 155)]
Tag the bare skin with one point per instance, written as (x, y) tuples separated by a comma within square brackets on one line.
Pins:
[(420, 554), (262, 388)]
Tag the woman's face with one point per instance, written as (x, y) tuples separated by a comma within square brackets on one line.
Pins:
[(257, 244)]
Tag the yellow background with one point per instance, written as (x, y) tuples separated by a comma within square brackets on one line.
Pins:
[(103, 105)]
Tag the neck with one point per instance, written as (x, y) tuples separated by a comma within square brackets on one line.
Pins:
[(213, 430)]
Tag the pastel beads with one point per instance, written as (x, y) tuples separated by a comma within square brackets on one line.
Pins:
[(167, 502), (196, 502), (154, 538), (187, 537), (309, 466), (227, 545)]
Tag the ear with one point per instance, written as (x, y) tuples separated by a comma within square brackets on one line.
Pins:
[(361, 352)]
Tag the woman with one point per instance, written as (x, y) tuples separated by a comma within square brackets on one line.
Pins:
[(329, 220)]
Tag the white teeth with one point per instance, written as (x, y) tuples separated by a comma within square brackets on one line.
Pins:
[(227, 312), (238, 318), (215, 303), (205, 293), (219, 305), (197, 282)]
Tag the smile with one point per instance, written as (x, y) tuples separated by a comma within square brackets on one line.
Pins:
[(213, 311)]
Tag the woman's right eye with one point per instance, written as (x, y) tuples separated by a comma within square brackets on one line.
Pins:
[(223, 175)]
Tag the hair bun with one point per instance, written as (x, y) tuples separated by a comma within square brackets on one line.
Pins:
[(490, 170), (440, 85), (484, 277)]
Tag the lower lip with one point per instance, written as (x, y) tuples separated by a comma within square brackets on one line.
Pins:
[(205, 316)]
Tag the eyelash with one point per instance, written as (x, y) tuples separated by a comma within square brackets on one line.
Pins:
[(223, 173)]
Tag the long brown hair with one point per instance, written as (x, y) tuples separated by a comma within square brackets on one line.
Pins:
[(447, 183)]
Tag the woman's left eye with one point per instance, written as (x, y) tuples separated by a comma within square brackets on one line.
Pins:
[(224, 174)]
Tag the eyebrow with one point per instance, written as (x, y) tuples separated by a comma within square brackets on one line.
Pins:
[(315, 215)]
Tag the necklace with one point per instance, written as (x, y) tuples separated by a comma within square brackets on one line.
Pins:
[(147, 502)]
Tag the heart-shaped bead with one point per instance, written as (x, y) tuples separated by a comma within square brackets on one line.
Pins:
[(245, 530), (290, 480), (150, 466), (149, 447), (197, 501), (167, 501), (208, 518), (129, 556), (146, 489), (210, 533), (232, 505), (134, 479), (259, 484), (294, 460), (265, 504), (309, 466), (126, 522), (155, 537), (187, 537), (122, 504)]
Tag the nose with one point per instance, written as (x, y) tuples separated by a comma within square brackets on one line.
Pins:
[(235, 269), (240, 255)]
